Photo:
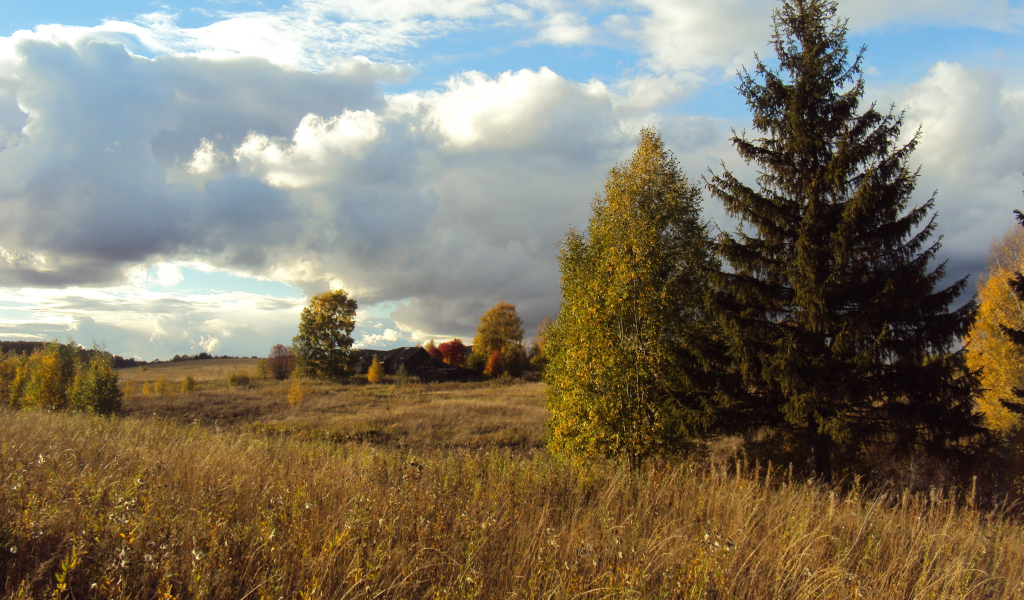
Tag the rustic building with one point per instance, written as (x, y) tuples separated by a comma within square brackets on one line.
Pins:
[(417, 362)]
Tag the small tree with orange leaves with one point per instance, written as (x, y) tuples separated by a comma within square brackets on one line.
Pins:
[(495, 365)]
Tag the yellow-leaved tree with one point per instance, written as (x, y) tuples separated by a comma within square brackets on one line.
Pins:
[(988, 348), (632, 298), (375, 374)]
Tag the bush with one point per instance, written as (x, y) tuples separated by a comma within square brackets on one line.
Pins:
[(238, 379), (297, 392), (161, 386), (477, 361), (402, 376), (261, 369), (129, 388), (95, 388), (188, 384), (514, 360)]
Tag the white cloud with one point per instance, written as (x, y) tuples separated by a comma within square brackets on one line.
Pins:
[(565, 29), (316, 141), (169, 274), (372, 339), (518, 110), (138, 320), (286, 160), (208, 343), (972, 152), (206, 159)]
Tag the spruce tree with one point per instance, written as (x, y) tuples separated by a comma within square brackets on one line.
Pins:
[(836, 334)]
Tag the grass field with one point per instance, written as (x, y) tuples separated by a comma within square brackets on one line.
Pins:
[(471, 415), (439, 491)]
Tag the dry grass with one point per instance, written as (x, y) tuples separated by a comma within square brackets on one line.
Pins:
[(471, 415), (128, 508)]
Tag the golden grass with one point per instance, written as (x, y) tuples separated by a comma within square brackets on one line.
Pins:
[(472, 415), (129, 508)]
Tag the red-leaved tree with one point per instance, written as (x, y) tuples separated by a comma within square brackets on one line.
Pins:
[(453, 352), (280, 362)]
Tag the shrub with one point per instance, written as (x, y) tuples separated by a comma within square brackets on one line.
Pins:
[(402, 375), (513, 360), (129, 388), (188, 384), (161, 386), (297, 392), (145, 388), (238, 378), (376, 372), (477, 361), (95, 388), (261, 369)]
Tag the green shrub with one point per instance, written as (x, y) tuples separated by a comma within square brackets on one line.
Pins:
[(239, 379), (188, 384), (477, 361), (261, 369)]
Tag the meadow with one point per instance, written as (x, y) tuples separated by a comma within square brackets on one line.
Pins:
[(490, 414), (232, 492)]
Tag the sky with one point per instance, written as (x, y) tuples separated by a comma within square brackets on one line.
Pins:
[(179, 177)]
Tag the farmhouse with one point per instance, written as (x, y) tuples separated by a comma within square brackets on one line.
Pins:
[(416, 361)]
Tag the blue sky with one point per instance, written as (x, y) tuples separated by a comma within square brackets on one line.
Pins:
[(180, 176)]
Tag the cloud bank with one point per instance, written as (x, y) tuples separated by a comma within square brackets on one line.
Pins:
[(268, 144)]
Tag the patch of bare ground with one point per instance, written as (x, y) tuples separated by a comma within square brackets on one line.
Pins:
[(470, 415), (150, 508)]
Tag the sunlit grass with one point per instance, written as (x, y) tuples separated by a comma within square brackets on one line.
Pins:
[(129, 508)]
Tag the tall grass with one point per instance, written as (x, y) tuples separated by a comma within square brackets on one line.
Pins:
[(145, 509)]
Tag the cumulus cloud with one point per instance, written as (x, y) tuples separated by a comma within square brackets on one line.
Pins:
[(971, 151), (316, 140), (298, 167), (565, 29), (142, 321)]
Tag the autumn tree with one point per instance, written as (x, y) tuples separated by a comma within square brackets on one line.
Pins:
[(61, 377), (499, 327), (632, 289), (323, 347), (996, 342), (453, 352), (432, 350), (495, 364), (95, 388), (375, 374), (51, 375), (280, 362), (837, 338)]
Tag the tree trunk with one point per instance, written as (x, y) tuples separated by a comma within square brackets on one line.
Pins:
[(821, 457)]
